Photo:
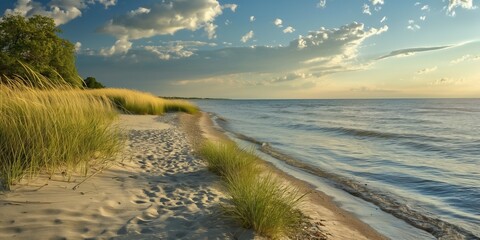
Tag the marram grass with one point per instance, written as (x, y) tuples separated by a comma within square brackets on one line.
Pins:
[(258, 201), (48, 127), (53, 131), (130, 101)]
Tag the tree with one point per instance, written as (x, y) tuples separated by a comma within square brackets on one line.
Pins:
[(91, 82), (34, 42)]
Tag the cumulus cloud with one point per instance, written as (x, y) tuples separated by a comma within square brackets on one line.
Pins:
[(375, 2), (247, 36), (170, 50), (167, 17), (121, 47), (278, 22), (106, 3), (62, 11), (138, 11), (464, 58), (322, 4), (290, 77), (232, 7), (427, 70), (423, 18), (412, 51), (316, 54), (412, 25), (78, 47), (366, 9), (453, 4), (252, 18), (289, 29), (425, 8)]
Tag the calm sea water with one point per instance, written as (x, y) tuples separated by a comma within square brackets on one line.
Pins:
[(422, 156)]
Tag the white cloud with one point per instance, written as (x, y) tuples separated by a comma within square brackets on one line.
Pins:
[(232, 7), (427, 70), (167, 17), (425, 8), (349, 37), (252, 18), (247, 37), (210, 28), (423, 18), (289, 77), (278, 22), (172, 51), (121, 47), (464, 58), (78, 46), (322, 4), (366, 9), (289, 29), (412, 25), (62, 11), (323, 52), (375, 2), (453, 4), (139, 11), (106, 3)]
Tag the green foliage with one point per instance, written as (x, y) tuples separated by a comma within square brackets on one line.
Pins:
[(91, 82), (258, 201), (34, 41)]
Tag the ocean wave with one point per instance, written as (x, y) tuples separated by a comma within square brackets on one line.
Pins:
[(365, 133), (422, 220)]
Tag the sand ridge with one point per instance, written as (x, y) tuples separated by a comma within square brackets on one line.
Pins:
[(156, 190)]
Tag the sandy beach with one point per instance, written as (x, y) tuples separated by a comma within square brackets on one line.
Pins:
[(157, 188)]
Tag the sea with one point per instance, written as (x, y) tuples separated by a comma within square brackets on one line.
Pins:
[(417, 160)]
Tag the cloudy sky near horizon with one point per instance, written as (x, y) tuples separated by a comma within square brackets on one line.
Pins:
[(273, 48)]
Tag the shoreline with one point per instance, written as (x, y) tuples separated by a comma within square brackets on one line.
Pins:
[(335, 222), (157, 187)]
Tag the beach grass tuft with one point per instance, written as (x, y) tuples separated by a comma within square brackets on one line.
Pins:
[(225, 159), (131, 101), (53, 130), (258, 201)]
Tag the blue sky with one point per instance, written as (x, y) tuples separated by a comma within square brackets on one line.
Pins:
[(273, 48)]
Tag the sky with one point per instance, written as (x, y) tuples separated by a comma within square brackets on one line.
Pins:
[(273, 49)]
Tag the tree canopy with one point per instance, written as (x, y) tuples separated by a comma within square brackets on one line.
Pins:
[(34, 42), (91, 82)]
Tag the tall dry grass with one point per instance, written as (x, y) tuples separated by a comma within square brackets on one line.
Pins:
[(53, 130), (131, 101), (258, 201), (50, 127)]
